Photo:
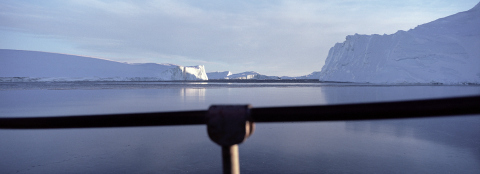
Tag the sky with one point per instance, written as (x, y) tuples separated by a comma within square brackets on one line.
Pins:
[(281, 38)]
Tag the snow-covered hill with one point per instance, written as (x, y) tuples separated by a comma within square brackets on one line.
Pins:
[(19, 65), (445, 51), (243, 75)]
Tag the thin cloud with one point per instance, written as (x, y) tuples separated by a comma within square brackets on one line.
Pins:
[(275, 37)]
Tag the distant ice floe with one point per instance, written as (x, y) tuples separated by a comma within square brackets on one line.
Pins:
[(241, 76), (256, 76)]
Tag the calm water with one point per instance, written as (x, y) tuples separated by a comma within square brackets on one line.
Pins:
[(440, 145)]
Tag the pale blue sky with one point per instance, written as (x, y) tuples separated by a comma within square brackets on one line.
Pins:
[(271, 37)]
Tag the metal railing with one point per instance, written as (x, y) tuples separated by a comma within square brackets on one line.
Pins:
[(230, 125)]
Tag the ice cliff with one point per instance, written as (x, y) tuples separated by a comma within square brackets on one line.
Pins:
[(444, 51), (19, 65)]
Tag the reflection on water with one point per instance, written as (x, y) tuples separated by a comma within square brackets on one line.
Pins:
[(193, 94), (439, 145), (199, 83), (81, 102)]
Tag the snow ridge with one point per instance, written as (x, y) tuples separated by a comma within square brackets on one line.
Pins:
[(444, 51), (20, 65)]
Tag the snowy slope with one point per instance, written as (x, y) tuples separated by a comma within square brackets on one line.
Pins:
[(41, 66), (313, 75), (445, 51), (243, 75)]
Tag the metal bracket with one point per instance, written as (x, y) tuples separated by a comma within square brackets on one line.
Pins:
[(228, 125)]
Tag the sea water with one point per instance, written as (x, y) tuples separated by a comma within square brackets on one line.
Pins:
[(427, 145)]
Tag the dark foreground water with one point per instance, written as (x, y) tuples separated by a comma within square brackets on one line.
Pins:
[(438, 145)]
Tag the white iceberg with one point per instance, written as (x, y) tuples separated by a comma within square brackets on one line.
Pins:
[(17, 65), (445, 51)]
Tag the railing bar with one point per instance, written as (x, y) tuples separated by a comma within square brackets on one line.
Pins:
[(344, 112), (370, 111), (112, 120)]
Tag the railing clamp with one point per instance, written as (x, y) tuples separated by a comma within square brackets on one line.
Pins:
[(228, 126)]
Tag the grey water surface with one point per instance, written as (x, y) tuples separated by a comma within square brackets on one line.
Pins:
[(433, 145)]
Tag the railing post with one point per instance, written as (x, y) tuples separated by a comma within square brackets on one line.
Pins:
[(228, 126), (230, 159)]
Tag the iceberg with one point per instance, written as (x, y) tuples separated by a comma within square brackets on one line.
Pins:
[(444, 51), (18, 65), (243, 76)]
